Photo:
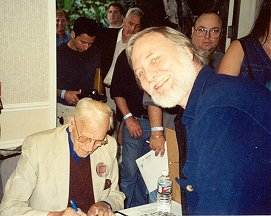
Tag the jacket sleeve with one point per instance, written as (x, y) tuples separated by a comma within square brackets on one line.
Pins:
[(118, 86), (227, 164), (21, 183)]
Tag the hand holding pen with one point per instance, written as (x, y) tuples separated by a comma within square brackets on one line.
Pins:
[(100, 208), (76, 209), (69, 212), (74, 206)]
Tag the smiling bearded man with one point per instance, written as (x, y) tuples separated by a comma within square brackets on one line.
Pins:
[(227, 122)]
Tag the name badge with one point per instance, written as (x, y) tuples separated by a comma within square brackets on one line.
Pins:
[(102, 169)]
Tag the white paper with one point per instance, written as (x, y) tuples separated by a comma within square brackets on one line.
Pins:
[(151, 167), (150, 210)]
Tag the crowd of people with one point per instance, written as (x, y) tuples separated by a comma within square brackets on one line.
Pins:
[(155, 78)]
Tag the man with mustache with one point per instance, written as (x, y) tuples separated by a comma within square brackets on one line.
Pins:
[(205, 36), (227, 121)]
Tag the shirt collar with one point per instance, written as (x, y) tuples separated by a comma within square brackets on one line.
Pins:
[(72, 152), (196, 92), (119, 39)]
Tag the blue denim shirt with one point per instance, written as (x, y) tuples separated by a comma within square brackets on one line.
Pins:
[(228, 165), (66, 39)]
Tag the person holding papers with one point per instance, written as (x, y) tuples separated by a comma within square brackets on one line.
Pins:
[(76, 162)]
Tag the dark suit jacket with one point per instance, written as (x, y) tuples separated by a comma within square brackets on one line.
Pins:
[(106, 42)]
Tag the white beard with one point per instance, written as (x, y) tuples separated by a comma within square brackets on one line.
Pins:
[(169, 101), (180, 88)]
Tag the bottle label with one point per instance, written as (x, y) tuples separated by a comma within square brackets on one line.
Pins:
[(164, 189)]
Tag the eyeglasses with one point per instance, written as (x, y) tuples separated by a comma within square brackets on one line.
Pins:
[(214, 32), (84, 139)]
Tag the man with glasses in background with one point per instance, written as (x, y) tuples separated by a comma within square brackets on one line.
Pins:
[(76, 161), (206, 34)]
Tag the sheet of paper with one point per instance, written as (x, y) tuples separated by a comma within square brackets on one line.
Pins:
[(150, 210), (151, 167)]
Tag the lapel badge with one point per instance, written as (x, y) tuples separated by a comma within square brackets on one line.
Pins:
[(102, 169), (107, 184)]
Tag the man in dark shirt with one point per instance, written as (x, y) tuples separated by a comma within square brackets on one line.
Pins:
[(76, 66), (136, 130)]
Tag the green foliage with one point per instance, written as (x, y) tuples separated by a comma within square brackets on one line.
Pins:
[(88, 8), (128, 3), (64, 4), (85, 8), (94, 9)]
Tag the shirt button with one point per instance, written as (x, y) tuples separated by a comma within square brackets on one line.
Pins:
[(189, 188)]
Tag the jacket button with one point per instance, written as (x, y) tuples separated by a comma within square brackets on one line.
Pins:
[(189, 188)]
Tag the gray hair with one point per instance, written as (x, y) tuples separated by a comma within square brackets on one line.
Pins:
[(135, 10), (174, 36), (87, 106)]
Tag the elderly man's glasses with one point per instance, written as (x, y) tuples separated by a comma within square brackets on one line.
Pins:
[(84, 139), (214, 32)]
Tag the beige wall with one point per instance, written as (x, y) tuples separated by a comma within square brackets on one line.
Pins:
[(249, 11), (27, 68)]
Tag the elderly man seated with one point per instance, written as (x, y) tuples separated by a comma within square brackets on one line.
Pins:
[(76, 162)]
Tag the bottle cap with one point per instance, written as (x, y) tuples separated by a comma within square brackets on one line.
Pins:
[(164, 172)]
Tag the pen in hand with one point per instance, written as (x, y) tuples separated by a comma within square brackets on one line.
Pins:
[(120, 213), (74, 206)]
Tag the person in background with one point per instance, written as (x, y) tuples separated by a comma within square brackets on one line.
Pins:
[(76, 161), (62, 35), (135, 131), (131, 25), (111, 42), (250, 57), (227, 122), (115, 15), (77, 62), (206, 34)]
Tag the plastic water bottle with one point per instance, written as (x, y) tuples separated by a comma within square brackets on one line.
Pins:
[(164, 194)]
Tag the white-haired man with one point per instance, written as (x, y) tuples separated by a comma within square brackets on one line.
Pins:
[(227, 121), (76, 161)]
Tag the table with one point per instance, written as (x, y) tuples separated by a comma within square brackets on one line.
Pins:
[(149, 210)]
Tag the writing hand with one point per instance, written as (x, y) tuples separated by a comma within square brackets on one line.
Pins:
[(68, 212), (100, 209)]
